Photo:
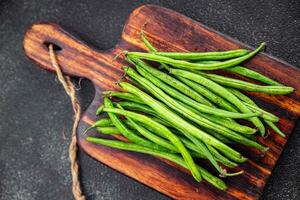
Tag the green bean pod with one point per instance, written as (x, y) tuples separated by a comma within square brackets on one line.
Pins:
[(100, 123), (243, 85), (122, 95), (252, 74), (217, 55), (110, 130), (218, 183), (246, 72), (195, 66)]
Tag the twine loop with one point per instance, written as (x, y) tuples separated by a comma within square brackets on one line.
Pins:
[(70, 90)]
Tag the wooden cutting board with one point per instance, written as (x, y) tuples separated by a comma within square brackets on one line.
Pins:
[(168, 31)]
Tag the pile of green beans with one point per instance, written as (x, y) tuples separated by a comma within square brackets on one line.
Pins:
[(184, 112)]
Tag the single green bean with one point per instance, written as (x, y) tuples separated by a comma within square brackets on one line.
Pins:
[(247, 73), (218, 183), (243, 85), (137, 107), (151, 47), (252, 74), (147, 43), (231, 124), (108, 130), (199, 66), (217, 55), (222, 92), (275, 128), (201, 107), (100, 123), (122, 95)]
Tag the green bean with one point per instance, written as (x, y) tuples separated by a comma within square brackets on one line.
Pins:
[(252, 74), (100, 123), (145, 109), (247, 73), (122, 95), (173, 82), (243, 85), (151, 47), (218, 55), (265, 115), (208, 94), (275, 128), (108, 130), (182, 124), (137, 107), (136, 83), (218, 183), (147, 43), (131, 136), (231, 124), (199, 66), (222, 92), (187, 100), (249, 101)]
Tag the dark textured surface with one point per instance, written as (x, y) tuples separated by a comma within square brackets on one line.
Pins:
[(35, 112)]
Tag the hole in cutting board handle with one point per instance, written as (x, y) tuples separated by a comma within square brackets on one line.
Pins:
[(55, 47)]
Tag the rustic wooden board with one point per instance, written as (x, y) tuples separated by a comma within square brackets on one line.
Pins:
[(169, 31)]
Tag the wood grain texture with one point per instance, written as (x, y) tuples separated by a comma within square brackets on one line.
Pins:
[(169, 31)]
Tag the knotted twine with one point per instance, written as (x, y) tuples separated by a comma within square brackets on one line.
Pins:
[(70, 90)]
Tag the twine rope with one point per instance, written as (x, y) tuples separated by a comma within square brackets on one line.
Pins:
[(70, 90)]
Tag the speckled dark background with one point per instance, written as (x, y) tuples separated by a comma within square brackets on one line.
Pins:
[(35, 111)]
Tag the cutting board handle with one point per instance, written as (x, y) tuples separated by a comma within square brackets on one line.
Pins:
[(74, 56)]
